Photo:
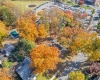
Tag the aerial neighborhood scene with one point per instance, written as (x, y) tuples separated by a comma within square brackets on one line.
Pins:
[(49, 39)]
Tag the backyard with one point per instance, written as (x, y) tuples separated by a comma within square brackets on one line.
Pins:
[(7, 64)]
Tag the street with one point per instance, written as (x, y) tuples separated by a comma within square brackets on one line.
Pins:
[(75, 65)]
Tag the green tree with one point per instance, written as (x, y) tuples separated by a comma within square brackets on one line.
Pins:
[(23, 48), (7, 16), (98, 26), (78, 75)]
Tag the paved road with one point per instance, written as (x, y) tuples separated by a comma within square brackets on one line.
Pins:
[(43, 6), (75, 65)]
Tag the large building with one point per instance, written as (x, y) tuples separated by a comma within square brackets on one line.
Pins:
[(93, 2)]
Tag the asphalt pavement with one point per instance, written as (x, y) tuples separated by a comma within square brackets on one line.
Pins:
[(75, 65)]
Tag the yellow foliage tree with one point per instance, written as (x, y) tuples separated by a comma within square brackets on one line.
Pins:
[(3, 31), (78, 75), (4, 75), (44, 58), (93, 50), (42, 31), (82, 40)]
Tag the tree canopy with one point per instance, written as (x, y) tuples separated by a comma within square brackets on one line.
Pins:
[(3, 31), (44, 58), (78, 75), (4, 75), (23, 48)]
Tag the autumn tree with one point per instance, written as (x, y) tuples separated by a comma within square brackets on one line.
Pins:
[(83, 39), (95, 68), (4, 75), (42, 31), (79, 18), (81, 2), (92, 49), (15, 10), (78, 75), (30, 15), (3, 31), (52, 19), (77, 39), (68, 35), (44, 58), (27, 28), (69, 18)]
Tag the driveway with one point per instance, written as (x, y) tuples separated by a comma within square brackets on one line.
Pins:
[(75, 65), (2, 57)]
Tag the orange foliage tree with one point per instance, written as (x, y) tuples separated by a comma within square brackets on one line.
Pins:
[(75, 38), (44, 58), (42, 31), (4, 75), (27, 29)]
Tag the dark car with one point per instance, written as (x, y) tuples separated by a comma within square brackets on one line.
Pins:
[(58, 46), (95, 18)]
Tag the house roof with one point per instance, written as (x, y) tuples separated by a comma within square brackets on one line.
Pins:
[(7, 49), (24, 71)]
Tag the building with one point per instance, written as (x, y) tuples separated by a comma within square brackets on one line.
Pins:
[(24, 70), (7, 49), (93, 2)]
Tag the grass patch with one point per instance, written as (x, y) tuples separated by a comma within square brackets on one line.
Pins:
[(23, 5), (86, 7), (41, 77), (71, 3), (55, 79), (7, 64)]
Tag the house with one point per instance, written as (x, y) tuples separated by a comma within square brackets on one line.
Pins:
[(24, 70), (7, 49)]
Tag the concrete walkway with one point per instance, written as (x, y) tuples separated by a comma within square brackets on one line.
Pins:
[(75, 65)]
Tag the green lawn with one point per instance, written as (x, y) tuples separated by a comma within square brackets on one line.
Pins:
[(74, 4), (7, 64), (23, 5), (86, 7), (40, 77), (71, 3)]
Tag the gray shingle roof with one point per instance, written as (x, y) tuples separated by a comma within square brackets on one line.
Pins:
[(24, 71), (7, 49)]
